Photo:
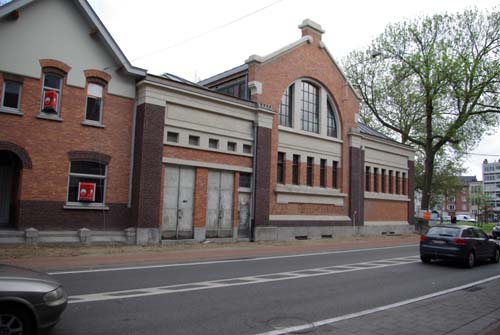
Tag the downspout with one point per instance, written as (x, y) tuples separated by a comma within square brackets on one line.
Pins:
[(254, 165), (132, 152)]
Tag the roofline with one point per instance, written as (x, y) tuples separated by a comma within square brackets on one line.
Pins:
[(225, 74), (388, 141), (91, 15), (279, 52)]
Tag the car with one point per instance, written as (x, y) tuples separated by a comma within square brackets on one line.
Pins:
[(496, 231), (465, 218), (30, 301), (466, 244), (447, 218)]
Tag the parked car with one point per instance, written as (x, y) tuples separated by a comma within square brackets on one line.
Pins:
[(29, 300), (446, 218), (465, 218), (496, 231), (463, 243)]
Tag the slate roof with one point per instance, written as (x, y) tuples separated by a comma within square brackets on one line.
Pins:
[(364, 129), (468, 179)]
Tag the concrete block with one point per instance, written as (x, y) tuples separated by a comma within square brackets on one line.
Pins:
[(200, 234), (145, 236), (31, 236), (266, 233), (85, 235), (130, 235)]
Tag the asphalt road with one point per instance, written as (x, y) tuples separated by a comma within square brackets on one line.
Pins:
[(251, 296)]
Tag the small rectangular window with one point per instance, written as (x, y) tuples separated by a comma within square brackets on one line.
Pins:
[(172, 137), (11, 95), (382, 180), (213, 143), (245, 179), (375, 179), (322, 173), (194, 140), (367, 179), (404, 183), (247, 148), (295, 169), (94, 103), (397, 182), (335, 172), (310, 171), (87, 172), (51, 93), (231, 146), (281, 168), (391, 182)]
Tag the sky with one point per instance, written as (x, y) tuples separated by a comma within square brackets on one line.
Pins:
[(196, 39)]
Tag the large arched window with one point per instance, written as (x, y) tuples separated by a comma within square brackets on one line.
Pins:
[(331, 121), (310, 107)]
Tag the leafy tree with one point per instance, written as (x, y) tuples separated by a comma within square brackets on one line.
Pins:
[(434, 82), (483, 203)]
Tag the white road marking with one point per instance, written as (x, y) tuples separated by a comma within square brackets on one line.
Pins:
[(239, 281), (316, 324), (225, 261)]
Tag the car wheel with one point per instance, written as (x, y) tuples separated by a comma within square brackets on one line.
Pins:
[(425, 259), (15, 321), (496, 256), (470, 261)]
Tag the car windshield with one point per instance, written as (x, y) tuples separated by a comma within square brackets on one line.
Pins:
[(444, 231)]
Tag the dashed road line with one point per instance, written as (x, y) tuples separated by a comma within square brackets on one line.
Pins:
[(239, 281)]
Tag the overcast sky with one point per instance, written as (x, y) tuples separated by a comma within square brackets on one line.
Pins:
[(158, 35)]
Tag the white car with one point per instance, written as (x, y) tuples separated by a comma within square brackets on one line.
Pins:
[(465, 218)]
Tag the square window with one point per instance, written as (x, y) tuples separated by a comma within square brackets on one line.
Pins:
[(231, 146), (51, 94), (213, 143), (94, 103), (93, 175), (172, 137), (11, 94), (194, 140), (245, 179), (247, 148)]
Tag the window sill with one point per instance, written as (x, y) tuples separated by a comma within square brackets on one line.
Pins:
[(86, 206), (309, 134), (49, 117), (6, 110), (92, 124)]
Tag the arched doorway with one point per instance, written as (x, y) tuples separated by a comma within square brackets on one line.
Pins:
[(10, 172)]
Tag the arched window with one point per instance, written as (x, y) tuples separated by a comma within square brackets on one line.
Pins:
[(331, 121), (310, 107), (286, 107)]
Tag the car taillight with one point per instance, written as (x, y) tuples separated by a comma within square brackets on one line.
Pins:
[(460, 241), (422, 238)]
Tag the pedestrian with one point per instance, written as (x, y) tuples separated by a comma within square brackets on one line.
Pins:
[(453, 219)]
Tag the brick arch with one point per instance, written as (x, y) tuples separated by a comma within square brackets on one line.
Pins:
[(54, 64), (97, 74), (21, 153), (88, 155)]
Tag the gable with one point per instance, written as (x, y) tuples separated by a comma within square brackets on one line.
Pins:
[(55, 29)]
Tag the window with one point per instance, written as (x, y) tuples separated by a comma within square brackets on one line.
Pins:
[(194, 140), (335, 174), (11, 95), (464, 207), (391, 182), (310, 167), (94, 103), (322, 173), (172, 137), (51, 94), (235, 88), (382, 180), (245, 179), (286, 107), (331, 128), (281, 168), (404, 182), (87, 173), (247, 148), (310, 107), (397, 182), (375, 179), (452, 199), (213, 143), (367, 179), (451, 207), (231, 146), (295, 169)]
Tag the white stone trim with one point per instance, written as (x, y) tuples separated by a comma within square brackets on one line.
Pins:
[(386, 196), (386, 223), (308, 195), (176, 161), (255, 87), (308, 23), (263, 59), (308, 218)]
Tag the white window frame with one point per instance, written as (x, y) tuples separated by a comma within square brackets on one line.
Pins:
[(10, 109), (57, 115), (84, 175), (101, 106)]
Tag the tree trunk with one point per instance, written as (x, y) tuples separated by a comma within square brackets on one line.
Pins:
[(428, 172)]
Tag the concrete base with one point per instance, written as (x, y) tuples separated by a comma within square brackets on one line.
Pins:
[(200, 234), (146, 236), (316, 233)]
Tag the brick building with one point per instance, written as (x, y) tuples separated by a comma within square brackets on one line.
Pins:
[(271, 149)]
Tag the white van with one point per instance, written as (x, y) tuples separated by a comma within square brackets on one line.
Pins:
[(465, 218)]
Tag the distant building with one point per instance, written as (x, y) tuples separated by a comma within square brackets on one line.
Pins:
[(459, 203), (491, 180)]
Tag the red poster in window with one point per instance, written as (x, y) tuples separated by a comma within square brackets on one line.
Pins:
[(86, 192), (50, 100)]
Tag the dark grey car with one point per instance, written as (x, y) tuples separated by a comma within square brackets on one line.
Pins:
[(463, 243), (29, 301)]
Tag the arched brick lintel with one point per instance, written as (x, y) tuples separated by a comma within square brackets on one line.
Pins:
[(19, 151), (88, 155), (52, 63)]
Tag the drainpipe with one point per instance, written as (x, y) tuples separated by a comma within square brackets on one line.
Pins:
[(354, 221), (254, 165), (132, 152)]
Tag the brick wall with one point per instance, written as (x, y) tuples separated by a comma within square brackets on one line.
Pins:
[(385, 210), (206, 156)]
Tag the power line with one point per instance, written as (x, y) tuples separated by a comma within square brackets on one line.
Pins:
[(485, 155), (208, 31)]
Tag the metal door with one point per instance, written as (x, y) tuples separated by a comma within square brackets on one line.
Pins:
[(220, 204), (244, 215), (6, 173), (178, 198)]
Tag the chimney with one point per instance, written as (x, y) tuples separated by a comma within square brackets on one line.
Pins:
[(311, 28)]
